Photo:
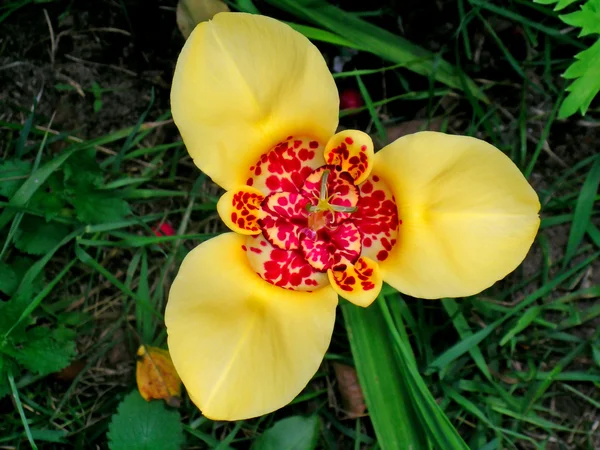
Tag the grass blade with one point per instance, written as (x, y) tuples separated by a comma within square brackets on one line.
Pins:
[(395, 422), (378, 41), (583, 211)]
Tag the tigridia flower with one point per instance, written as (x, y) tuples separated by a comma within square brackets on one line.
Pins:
[(314, 215)]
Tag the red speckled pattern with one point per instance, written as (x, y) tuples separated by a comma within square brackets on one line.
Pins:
[(376, 218), (297, 245), (331, 245), (285, 167), (284, 268), (245, 210), (283, 219), (351, 156), (354, 278)]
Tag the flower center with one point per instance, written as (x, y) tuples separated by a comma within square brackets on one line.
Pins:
[(306, 215)]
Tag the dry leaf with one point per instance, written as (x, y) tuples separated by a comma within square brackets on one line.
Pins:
[(156, 376), (191, 12), (353, 399), (71, 371)]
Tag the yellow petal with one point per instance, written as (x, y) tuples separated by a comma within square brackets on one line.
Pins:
[(242, 346), (468, 214), (156, 376), (240, 209), (359, 283), (353, 151), (244, 83)]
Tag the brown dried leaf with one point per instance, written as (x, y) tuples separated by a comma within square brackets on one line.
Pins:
[(191, 12), (353, 399), (156, 376), (71, 371)]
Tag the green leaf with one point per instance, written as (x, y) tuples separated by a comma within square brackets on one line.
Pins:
[(37, 236), (142, 425), (293, 433), (43, 353), (8, 279), (523, 322), (13, 174), (56, 436), (582, 91), (82, 171), (560, 4), (99, 207), (583, 210), (588, 18), (396, 423)]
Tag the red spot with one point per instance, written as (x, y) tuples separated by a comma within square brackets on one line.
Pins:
[(363, 148), (351, 99), (349, 140), (250, 181), (295, 279), (164, 229), (256, 250), (367, 242), (273, 183), (313, 144), (244, 248), (278, 255), (375, 178), (382, 255)]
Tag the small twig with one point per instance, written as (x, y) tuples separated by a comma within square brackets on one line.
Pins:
[(52, 40), (92, 63)]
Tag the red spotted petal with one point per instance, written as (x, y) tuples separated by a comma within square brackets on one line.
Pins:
[(352, 151), (286, 165), (359, 283), (284, 216), (285, 268), (376, 219), (327, 247), (240, 209)]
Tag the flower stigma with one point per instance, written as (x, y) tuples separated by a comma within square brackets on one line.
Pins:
[(317, 214)]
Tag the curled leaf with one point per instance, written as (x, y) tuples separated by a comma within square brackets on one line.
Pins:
[(191, 12), (156, 376)]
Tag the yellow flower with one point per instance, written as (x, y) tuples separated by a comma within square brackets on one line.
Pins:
[(315, 215)]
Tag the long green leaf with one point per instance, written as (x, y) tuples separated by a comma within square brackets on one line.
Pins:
[(386, 392), (583, 210)]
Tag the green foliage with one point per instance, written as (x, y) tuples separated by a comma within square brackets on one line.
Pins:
[(59, 198), (36, 236), (586, 69), (142, 425), (12, 176), (44, 351), (293, 433)]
